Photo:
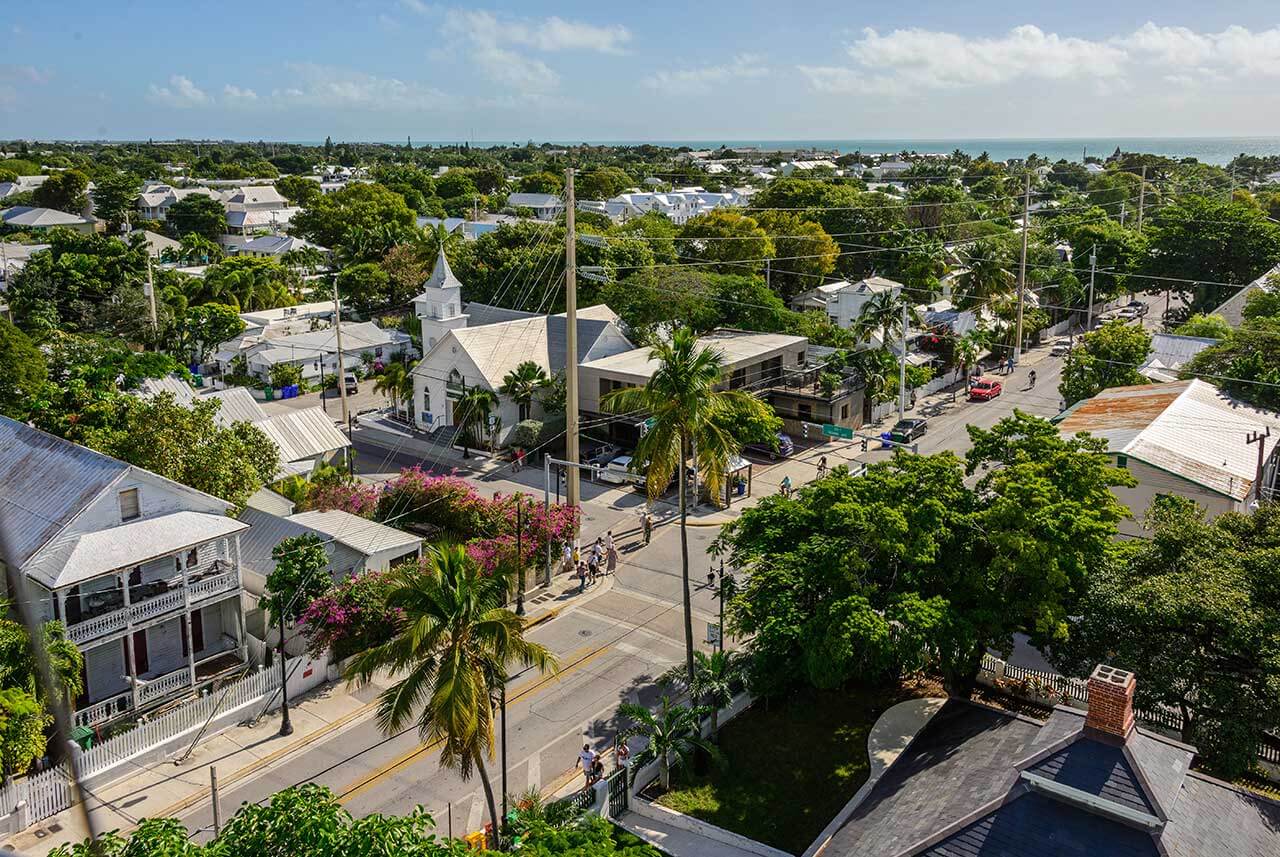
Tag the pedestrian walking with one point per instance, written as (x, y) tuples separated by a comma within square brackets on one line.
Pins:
[(593, 568), (566, 558), (1008, 366), (611, 558), (1032, 378), (582, 577), (519, 462), (587, 761), (608, 541), (647, 523)]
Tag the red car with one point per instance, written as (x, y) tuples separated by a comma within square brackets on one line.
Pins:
[(985, 389)]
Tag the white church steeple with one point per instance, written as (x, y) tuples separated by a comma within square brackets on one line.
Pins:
[(439, 307)]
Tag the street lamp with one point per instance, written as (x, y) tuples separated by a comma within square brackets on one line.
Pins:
[(724, 589), (519, 563), (286, 726)]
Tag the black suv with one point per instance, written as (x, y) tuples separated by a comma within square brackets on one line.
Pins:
[(906, 431)]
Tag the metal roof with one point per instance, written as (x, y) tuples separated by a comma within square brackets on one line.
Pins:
[(1188, 428), (736, 347), (39, 218), (104, 551), (266, 500), (303, 433), (45, 482), (238, 406), (266, 530), (1232, 309), (361, 534)]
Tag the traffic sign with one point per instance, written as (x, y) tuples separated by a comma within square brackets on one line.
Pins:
[(837, 431)]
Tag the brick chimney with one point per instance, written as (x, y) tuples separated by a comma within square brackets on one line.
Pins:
[(1110, 701)]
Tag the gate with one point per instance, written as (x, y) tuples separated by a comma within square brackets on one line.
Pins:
[(617, 792)]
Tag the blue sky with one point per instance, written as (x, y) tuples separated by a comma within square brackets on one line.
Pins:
[(659, 70)]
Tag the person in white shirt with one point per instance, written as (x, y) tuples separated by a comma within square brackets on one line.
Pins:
[(587, 759)]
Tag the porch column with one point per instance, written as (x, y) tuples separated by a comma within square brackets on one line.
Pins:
[(62, 606), (186, 605), (238, 580), (133, 670)]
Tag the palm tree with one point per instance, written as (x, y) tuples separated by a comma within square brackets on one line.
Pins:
[(987, 276), (18, 664), (521, 383), (714, 676), (305, 259), (195, 248), (475, 406), (453, 647), (968, 348), (396, 382), (687, 412), (883, 314), (672, 730)]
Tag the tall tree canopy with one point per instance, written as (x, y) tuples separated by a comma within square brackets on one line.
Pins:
[(327, 220), (953, 569), (1107, 357), (1194, 611), (197, 213)]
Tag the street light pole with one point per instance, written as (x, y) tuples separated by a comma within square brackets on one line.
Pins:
[(502, 702), (519, 562)]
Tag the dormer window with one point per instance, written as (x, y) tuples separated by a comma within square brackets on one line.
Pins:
[(129, 505)]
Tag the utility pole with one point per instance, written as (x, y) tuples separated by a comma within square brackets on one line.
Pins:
[(902, 364), (286, 725), (213, 793), (151, 300), (503, 704), (1093, 270), (519, 559), (768, 274), (1022, 268), (1142, 197), (342, 370), (571, 494), (1260, 438)]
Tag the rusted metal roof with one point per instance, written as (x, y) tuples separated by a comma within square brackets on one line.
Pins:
[(1188, 428)]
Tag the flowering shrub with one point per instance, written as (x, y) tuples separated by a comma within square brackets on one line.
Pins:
[(358, 498), (351, 617), (556, 525), (444, 501)]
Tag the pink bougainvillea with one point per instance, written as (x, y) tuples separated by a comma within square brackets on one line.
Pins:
[(358, 498)]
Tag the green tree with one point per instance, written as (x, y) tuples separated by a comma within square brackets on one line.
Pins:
[(248, 283), (329, 219), (395, 382), (733, 243), (22, 738), (521, 383), (714, 678), (1246, 363), (114, 196), (298, 578), (299, 190), (285, 375), (907, 566), (1192, 611), (1211, 326), (883, 314), (673, 732), (986, 275), (365, 287), (1107, 357), (22, 371), (18, 662), (1207, 242), (600, 183), (474, 408), (197, 213), (453, 647), (188, 446), (64, 191), (202, 328), (687, 410), (196, 249), (545, 182), (806, 253)]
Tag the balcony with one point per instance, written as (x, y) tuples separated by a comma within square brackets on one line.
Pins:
[(107, 615)]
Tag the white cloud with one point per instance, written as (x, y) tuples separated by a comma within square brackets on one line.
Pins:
[(489, 41), (914, 60), (337, 88), (233, 93), (180, 93), (419, 7), (704, 79)]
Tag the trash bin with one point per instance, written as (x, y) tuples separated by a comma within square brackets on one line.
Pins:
[(83, 736), (886, 440), (269, 392), (197, 381)]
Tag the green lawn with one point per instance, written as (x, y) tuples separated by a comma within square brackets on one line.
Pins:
[(788, 769)]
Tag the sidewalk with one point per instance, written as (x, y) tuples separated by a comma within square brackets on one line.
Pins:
[(164, 789)]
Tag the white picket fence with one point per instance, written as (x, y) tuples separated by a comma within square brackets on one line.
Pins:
[(48, 792)]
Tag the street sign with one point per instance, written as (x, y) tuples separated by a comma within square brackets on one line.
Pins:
[(645, 426), (837, 431), (713, 632)]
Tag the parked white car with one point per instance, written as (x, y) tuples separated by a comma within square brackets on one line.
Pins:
[(619, 472), (1060, 348)]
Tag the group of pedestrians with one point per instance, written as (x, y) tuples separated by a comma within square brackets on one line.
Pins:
[(600, 560)]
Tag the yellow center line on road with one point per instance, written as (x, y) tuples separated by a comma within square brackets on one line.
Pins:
[(576, 660)]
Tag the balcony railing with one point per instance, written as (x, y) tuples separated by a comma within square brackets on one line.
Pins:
[(164, 685), (107, 709), (216, 580)]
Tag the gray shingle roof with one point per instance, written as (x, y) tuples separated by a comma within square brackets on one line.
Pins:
[(1098, 769), (267, 530)]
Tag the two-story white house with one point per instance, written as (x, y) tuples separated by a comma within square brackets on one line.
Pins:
[(143, 571), (843, 301)]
